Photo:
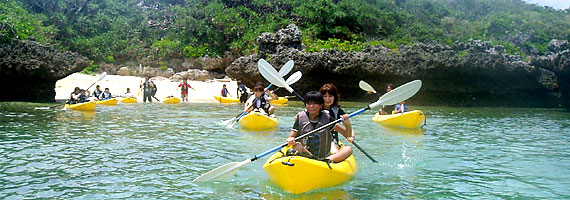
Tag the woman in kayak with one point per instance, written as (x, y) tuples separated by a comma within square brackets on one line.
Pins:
[(318, 144), (259, 102), (331, 97)]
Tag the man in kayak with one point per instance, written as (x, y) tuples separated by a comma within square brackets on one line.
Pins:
[(105, 95), (184, 86), (128, 93), (83, 96), (259, 102), (385, 109), (97, 92), (318, 145)]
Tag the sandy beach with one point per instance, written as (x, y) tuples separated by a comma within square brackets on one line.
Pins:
[(204, 91)]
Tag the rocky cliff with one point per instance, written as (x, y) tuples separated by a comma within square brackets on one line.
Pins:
[(474, 73), (29, 70)]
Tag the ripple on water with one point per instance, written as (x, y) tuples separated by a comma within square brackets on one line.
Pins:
[(155, 151)]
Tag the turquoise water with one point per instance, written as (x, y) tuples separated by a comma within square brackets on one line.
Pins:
[(153, 151)]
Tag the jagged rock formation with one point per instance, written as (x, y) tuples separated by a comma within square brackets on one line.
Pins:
[(473, 73), (29, 70)]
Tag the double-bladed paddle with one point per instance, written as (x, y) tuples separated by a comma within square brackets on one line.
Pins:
[(269, 73), (282, 72), (225, 172)]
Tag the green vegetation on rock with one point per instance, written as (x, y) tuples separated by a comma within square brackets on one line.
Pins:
[(123, 31)]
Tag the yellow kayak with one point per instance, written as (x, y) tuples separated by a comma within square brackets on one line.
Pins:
[(411, 119), (171, 100), (226, 99), (256, 121), (280, 100), (112, 101), (296, 174), (87, 106), (129, 100)]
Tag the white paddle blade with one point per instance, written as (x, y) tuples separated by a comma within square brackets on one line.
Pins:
[(294, 78), (222, 173), (399, 94), (102, 76), (286, 68), (271, 75), (366, 87)]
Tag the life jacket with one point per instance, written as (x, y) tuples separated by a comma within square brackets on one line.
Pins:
[(149, 85), (97, 93), (82, 98), (263, 105), (225, 92), (334, 115), (104, 96), (185, 87), (319, 143)]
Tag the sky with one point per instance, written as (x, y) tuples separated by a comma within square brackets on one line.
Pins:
[(557, 4)]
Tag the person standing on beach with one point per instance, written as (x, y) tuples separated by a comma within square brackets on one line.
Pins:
[(242, 92), (184, 86), (225, 91), (148, 88)]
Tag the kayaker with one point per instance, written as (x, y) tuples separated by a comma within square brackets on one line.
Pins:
[(331, 97), (97, 92), (401, 107), (83, 96), (74, 96), (385, 108), (148, 88), (105, 95), (242, 92), (258, 102), (224, 91), (128, 93), (184, 89), (318, 145)]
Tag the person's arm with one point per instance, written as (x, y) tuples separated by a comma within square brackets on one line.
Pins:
[(346, 131), (272, 96), (291, 138)]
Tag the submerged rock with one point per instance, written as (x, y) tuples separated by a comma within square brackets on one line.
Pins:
[(29, 70)]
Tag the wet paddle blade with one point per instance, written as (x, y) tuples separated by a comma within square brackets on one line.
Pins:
[(366, 87), (399, 94), (222, 173), (286, 68)]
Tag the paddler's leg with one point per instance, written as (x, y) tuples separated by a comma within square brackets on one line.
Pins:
[(341, 154)]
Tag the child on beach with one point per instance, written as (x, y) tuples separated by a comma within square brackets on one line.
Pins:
[(184, 89), (224, 91)]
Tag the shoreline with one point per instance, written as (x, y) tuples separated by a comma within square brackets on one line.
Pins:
[(204, 90)]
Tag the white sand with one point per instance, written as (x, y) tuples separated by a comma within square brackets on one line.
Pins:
[(118, 85)]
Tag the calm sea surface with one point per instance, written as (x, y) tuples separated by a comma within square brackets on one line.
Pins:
[(154, 151)]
